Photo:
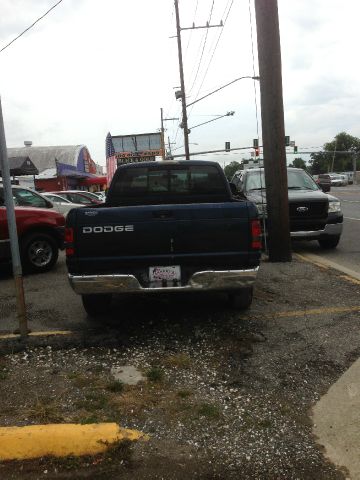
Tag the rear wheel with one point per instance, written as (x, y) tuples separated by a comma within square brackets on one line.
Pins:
[(39, 252), (329, 242), (241, 299), (96, 304)]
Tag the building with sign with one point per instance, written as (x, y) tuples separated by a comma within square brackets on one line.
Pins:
[(61, 167), (120, 149)]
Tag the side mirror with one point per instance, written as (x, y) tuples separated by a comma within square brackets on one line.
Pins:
[(233, 188), (49, 204)]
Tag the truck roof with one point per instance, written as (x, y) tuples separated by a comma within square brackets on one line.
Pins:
[(161, 163)]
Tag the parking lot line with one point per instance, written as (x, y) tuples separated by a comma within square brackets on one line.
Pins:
[(325, 263), (37, 334), (315, 311), (351, 218), (60, 440)]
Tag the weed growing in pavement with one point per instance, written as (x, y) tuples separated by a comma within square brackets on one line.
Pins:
[(89, 419), (43, 410), (116, 386), (155, 374), (208, 410), (178, 360), (93, 401), (184, 393)]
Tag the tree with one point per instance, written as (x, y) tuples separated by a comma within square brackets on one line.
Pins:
[(231, 169), (332, 157), (298, 163)]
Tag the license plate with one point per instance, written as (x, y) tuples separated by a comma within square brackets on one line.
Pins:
[(170, 273)]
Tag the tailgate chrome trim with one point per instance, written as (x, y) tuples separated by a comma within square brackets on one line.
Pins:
[(204, 280)]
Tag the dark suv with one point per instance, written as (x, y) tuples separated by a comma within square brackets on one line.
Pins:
[(314, 215)]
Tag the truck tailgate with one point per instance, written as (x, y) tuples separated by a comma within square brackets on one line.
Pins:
[(117, 238)]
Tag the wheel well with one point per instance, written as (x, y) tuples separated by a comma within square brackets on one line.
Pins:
[(42, 230)]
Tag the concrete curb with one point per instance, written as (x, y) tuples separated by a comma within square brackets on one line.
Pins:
[(61, 440)]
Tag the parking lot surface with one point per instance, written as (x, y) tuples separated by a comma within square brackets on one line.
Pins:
[(226, 393)]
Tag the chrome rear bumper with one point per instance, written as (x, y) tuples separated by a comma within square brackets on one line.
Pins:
[(206, 280)]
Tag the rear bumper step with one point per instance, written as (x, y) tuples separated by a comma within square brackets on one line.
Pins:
[(206, 280)]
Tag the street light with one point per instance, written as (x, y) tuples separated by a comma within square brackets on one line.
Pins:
[(177, 148), (220, 88), (228, 114)]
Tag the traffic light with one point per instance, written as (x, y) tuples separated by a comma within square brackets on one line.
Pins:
[(295, 149), (287, 140), (257, 152), (256, 143), (227, 146)]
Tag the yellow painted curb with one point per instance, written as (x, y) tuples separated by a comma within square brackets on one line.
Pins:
[(60, 440), (37, 334)]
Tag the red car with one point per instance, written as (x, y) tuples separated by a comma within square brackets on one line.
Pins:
[(40, 230)]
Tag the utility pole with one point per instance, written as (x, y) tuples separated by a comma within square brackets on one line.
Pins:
[(184, 122), (273, 131), (162, 134), (11, 221)]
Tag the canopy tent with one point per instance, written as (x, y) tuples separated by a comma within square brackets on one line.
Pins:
[(21, 166)]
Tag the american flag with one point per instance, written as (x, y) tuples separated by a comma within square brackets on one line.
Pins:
[(110, 158)]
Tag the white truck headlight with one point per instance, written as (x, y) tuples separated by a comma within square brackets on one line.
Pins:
[(334, 206)]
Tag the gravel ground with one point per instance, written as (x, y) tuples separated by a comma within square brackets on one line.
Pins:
[(228, 394)]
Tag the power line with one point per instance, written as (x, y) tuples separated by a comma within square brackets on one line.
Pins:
[(213, 53), (32, 25), (253, 62), (203, 49)]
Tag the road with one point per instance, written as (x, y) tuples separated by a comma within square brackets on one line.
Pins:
[(347, 254)]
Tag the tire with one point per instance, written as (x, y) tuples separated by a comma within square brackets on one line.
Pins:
[(96, 304), (39, 252), (241, 299), (329, 242)]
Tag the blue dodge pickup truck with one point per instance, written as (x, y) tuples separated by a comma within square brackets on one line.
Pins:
[(166, 226)]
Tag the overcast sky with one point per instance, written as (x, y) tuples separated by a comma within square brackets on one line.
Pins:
[(91, 67)]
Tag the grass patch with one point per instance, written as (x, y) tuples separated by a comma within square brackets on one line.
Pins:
[(155, 375), (208, 410), (88, 419), (116, 386), (178, 360), (93, 401), (44, 410), (184, 393), (3, 374)]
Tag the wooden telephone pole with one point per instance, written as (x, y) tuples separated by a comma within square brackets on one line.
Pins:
[(273, 131)]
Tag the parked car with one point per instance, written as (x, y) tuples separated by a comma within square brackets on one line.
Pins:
[(324, 181), (79, 197), (336, 179), (350, 176), (101, 195), (345, 179), (40, 230), (61, 205), (165, 227), (314, 215)]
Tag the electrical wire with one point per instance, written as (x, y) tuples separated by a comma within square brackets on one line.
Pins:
[(31, 26), (257, 130), (203, 48), (214, 50), (191, 32)]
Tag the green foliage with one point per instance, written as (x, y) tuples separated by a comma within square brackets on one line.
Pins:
[(329, 160), (231, 169), (155, 374), (298, 163)]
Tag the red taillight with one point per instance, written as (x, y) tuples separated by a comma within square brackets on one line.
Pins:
[(256, 235), (69, 239)]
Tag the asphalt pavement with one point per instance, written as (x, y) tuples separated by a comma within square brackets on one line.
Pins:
[(347, 254)]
